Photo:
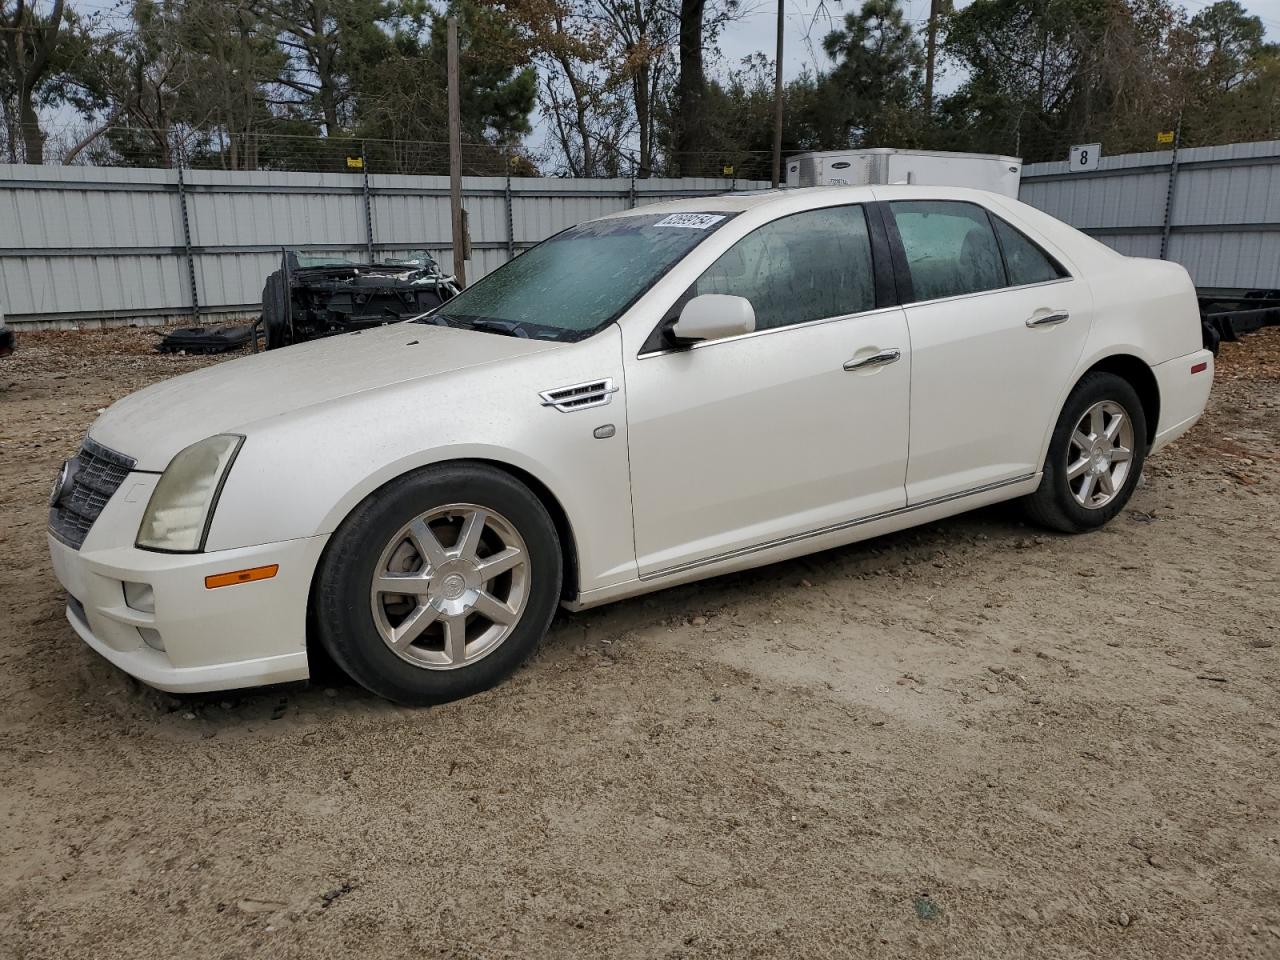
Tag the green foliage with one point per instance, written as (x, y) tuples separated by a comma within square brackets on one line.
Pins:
[(307, 83), (1030, 67), (1038, 75), (1235, 95), (738, 131), (876, 82), (1047, 73), (405, 96)]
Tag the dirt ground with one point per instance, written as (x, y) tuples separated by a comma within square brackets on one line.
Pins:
[(971, 740)]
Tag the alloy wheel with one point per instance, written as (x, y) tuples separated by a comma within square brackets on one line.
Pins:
[(1100, 454), (450, 586)]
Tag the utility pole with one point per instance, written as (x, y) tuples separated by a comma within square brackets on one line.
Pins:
[(1168, 197), (777, 104), (931, 56), (455, 161)]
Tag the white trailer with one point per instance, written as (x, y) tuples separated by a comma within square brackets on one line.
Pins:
[(889, 165)]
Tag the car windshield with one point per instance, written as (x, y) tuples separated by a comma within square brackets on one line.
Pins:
[(580, 280), (313, 259)]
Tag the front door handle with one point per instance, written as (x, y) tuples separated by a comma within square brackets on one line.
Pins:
[(875, 360), (1049, 319)]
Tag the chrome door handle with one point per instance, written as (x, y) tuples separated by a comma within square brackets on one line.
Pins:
[(875, 360), (1049, 319)]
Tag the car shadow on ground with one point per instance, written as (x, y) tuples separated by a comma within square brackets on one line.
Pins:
[(330, 694)]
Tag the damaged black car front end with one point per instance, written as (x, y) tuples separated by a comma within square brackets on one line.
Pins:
[(317, 295)]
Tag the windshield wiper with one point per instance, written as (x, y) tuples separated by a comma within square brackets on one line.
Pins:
[(507, 328), (510, 328)]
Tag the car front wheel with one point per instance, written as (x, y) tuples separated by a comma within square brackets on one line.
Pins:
[(439, 584), (1095, 456)]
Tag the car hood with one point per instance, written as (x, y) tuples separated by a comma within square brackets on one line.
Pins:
[(155, 423)]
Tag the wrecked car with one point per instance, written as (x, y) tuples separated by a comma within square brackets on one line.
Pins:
[(316, 295), (6, 337)]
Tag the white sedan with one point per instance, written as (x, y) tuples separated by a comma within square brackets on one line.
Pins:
[(642, 400)]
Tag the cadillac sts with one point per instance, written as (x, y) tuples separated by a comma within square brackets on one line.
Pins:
[(657, 396)]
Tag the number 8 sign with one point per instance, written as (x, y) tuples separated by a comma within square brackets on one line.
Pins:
[(1085, 156)]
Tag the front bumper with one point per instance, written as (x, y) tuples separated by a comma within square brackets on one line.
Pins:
[(244, 635)]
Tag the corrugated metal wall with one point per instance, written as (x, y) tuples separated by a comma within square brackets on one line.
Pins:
[(108, 244), (104, 243), (1223, 218)]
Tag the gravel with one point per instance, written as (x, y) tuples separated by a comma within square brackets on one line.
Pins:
[(647, 787)]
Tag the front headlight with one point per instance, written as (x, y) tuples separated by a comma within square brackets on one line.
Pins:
[(181, 506)]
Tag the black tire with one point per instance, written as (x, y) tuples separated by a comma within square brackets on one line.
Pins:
[(341, 592), (274, 307), (1053, 505)]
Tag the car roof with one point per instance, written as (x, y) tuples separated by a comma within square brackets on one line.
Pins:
[(765, 205), (796, 198)]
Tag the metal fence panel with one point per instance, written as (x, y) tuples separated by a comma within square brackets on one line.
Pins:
[(109, 244), (1222, 217), (1244, 261)]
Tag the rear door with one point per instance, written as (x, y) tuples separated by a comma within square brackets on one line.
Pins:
[(997, 326)]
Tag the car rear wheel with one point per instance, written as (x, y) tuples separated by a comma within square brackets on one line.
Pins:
[(1095, 456), (439, 584)]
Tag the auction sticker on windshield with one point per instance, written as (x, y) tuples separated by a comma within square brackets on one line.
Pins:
[(695, 221)]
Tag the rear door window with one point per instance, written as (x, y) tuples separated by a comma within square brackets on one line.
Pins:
[(950, 246)]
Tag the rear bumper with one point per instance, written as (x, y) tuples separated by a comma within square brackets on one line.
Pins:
[(1183, 394), (244, 635)]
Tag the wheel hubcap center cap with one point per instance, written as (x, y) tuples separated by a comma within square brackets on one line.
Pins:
[(1101, 457), (453, 586)]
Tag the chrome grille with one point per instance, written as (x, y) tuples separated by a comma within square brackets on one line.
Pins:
[(97, 473)]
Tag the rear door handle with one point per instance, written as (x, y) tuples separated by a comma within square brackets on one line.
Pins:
[(1049, 319), (880, 359)]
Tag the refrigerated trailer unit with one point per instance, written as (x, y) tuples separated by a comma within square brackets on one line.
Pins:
[(889, 165)]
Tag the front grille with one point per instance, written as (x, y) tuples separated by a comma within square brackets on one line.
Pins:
[(97, 474)]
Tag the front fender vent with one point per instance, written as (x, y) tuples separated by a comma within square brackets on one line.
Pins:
[(580, 396)]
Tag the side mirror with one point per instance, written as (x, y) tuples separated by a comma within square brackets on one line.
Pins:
[(714, 316)]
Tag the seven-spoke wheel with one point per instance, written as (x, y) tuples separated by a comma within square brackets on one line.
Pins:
[(439, 583), (1095, 456), (1101, 452), (450, 586)]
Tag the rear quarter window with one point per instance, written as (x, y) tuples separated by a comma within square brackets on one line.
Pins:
[(1026, 262)]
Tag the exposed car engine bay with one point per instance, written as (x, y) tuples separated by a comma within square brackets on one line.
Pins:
[(317, 295)]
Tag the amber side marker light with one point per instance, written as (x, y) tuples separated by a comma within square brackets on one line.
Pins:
[(241, 576)]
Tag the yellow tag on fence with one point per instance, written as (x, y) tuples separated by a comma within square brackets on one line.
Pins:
[(1164, 136), (355, 163)]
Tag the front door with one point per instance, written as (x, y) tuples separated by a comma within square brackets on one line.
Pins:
[(740, 442)]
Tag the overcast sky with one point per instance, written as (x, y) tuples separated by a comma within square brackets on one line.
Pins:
[(808, 21)]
